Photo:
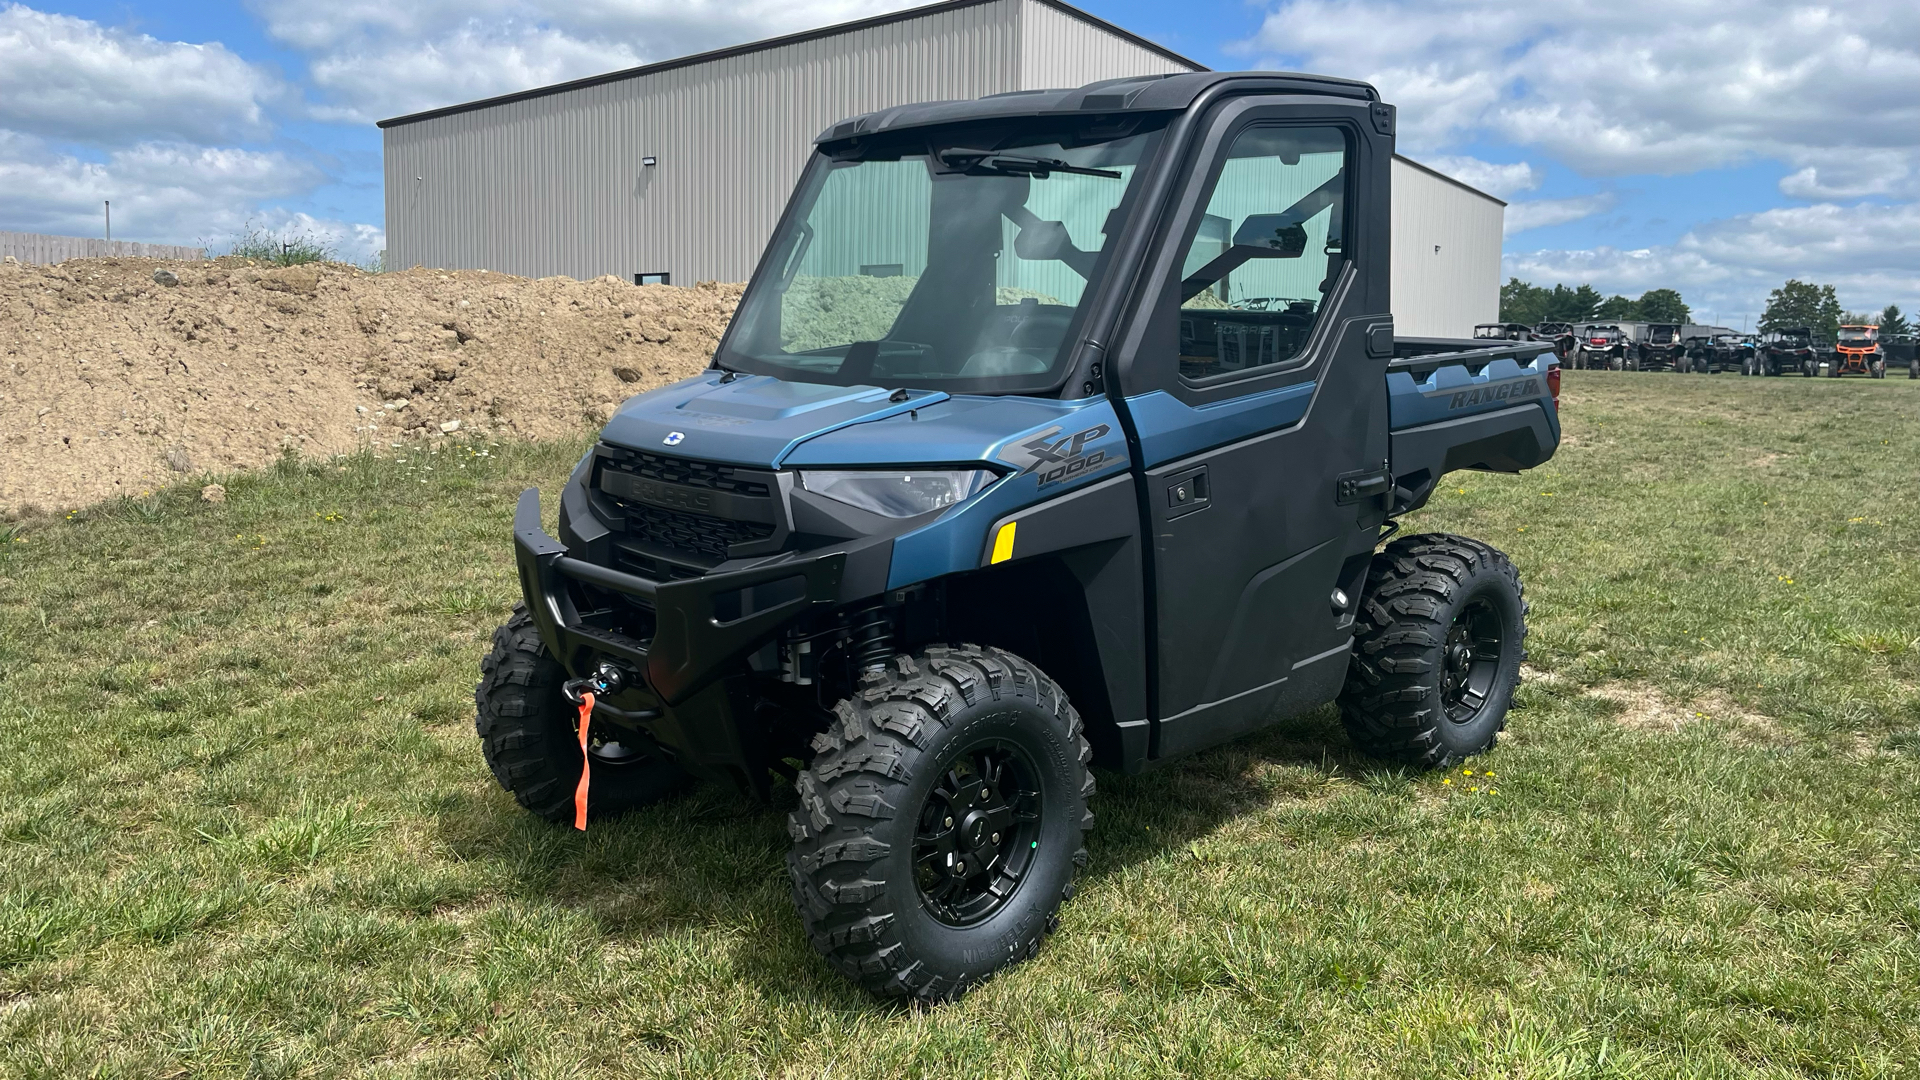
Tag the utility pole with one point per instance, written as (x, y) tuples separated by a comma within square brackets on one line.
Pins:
[(109, 203)]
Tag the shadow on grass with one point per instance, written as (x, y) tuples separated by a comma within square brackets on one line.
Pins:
[(714, 859)]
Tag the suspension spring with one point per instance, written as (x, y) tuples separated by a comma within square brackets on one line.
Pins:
[(870, 637)]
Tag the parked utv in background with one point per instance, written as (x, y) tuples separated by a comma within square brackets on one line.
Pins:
[(1601, 346), (1512, 331), (1716, 353), (1562, 336), (1789, 350), (1858, 352), (1099, 472), (1904, 351), (1664, 349)]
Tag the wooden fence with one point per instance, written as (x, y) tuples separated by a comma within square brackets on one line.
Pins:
[(35, 248)]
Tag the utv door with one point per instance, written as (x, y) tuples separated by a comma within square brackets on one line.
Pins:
[(1259, 413)]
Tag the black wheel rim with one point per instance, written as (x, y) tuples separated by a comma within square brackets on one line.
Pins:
[(1471, 660), (978, 833)]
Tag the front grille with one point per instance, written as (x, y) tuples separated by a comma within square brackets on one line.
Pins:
[(694, 535), (672, 470)]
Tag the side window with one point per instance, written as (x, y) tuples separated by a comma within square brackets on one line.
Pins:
[(1267, 252)]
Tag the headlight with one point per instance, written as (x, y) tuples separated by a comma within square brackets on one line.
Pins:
[(897, 493)]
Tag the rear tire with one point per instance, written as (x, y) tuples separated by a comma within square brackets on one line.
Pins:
[(530, 735), (1913, 369), (1437, 651), (940, 822)]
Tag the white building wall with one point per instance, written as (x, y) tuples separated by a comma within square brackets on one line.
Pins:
[(1059, 52), (1446, 254), (554, 184)]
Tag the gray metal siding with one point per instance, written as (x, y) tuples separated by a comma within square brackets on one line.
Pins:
[(1446, 255), (1059, 51), (554, 184)]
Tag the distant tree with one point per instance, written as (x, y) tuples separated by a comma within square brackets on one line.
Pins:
[(1572, 305), (1894, 322), (1663, 306), (1801, 303), (1617, 308), (1522, 303)]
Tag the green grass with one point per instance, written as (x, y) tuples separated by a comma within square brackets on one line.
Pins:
[(246, 829), (288, 248)]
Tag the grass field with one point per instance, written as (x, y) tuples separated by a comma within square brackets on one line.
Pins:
[(246, 830)]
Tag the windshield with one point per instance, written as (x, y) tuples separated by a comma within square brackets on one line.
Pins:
[(956, 261), (1855, 333)]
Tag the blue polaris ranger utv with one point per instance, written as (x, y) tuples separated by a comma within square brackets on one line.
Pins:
[(1055, 430)]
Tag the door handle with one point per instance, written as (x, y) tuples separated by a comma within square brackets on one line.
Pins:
[(1187, 492), (1361, 486)]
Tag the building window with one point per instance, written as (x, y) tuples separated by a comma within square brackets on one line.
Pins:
[(882, 269), (661, 278)]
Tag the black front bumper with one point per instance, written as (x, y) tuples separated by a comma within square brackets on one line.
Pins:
[(691, 644), (682, 667)]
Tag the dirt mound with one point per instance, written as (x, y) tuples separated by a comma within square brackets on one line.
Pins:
[(120, 375)]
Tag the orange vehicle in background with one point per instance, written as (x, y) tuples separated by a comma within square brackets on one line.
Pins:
[(1858, 352)]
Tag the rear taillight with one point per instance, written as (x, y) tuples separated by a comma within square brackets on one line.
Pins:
[(1553, 385)]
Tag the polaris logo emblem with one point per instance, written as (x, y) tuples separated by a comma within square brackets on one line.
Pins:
[(674, 438)]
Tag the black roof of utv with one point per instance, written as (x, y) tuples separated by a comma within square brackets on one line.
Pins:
[(1147, 93)]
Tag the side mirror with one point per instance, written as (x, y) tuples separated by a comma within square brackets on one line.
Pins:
[(1271, 236)]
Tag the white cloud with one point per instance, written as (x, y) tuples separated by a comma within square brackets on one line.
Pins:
[(373, 60), (1869, 252), (1630, 86), (1539, 213), (70, 79), (168, 193), (1499, 181)]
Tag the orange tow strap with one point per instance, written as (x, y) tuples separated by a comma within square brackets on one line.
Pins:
[(580, 792)]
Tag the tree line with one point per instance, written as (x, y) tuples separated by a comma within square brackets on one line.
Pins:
[(1801, 303), (1523, 302), (1796, 303)]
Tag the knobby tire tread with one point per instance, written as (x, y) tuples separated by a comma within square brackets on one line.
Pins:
[(1391, 702), (859, 777)]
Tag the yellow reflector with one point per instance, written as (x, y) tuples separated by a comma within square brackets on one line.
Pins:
[(1003, 543)]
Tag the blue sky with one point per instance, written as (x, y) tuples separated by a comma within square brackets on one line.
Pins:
[(1714, 147)]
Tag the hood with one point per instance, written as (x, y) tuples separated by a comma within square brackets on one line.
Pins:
[(753, 420)]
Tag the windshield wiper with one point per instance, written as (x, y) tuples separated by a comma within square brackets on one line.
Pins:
[(992, 161)]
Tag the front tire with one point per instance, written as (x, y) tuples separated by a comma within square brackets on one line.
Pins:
[(1436, 652), (940, 822), (530, 735)]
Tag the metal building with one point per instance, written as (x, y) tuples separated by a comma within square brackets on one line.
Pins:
[(1446, 253), (678, 171)]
